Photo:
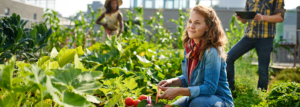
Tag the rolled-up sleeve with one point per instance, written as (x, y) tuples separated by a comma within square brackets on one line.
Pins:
[(279, 8), (181, 77), (211, 75)]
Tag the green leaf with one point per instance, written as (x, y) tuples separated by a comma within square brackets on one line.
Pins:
[(78, 64), (21, 65), (105, 91), (118, 82), (42, 60), (38, 76), (67, 57), (50, 65), (75, 100), (54, 92), (80, 82), (130, 83), (138, 92), (94, 99), (112, 102), (142, 59), (116, 69), (79, 51), (7, 73)]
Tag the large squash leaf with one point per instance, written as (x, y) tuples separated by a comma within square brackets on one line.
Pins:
[(80, 82)]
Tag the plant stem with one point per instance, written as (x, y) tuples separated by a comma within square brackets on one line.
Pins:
[(20, 100)]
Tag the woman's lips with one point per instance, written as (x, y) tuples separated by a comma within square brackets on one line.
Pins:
[(192, 31)]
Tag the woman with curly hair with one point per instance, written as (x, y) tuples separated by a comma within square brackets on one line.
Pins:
[(203, 81), (113, 19)]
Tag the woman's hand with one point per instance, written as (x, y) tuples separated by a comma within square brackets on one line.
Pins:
[(170, 93), (165, 83)]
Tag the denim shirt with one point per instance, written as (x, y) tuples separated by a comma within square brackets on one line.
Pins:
[(208, 77)]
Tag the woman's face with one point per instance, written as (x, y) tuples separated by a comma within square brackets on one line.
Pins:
[(114, 4), (196, 26)]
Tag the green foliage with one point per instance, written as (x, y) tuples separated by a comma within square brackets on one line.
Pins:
[(161, 36), (290, 75), (246, 93), (180, 28), (20, 41), (34, 83), (284, 95)]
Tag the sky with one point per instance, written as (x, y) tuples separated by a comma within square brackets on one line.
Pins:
[(71, 7)]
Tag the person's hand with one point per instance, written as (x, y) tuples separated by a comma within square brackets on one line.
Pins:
[(238, 17), (165, 83), (170, 93), (104, 25), (259, 17)]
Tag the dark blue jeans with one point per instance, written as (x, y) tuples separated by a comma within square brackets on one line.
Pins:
[(203, 101), (263, 48)]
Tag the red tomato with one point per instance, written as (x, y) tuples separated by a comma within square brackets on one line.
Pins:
[(129, 101), (136, 102), (142, 97)]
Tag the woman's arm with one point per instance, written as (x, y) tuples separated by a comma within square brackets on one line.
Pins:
[(120, 18), (172, 92), (171, 82), (98, 21)]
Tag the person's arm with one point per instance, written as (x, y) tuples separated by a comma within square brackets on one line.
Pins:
[(98, 21), (175, 82), (273, 18), (277, 16), (211, 75), (171, 93), (120, 18)]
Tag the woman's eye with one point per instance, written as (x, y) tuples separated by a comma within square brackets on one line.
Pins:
[(190, 21), (197, 23)]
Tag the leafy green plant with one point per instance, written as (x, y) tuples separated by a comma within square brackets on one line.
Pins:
[(162, 35), (284, 95), (20, 41), (180, 28), (53, 20), (45, 81), (290, 75)]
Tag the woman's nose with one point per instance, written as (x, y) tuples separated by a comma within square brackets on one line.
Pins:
[(192, 25)]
